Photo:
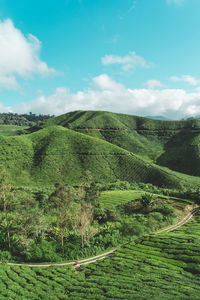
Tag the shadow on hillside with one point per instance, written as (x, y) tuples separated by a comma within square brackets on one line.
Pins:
[(181, 154)]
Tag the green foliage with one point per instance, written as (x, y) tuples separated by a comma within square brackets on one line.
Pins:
[(41, 223), (42, 250), (173, 144), (56, 154), (165, 266), (21, 120), (11, 130), (147, 200)]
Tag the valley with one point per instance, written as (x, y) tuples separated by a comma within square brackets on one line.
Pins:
[(86, 183)]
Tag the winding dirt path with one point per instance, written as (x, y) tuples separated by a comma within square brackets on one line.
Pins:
[(180, 223), (78, 263)]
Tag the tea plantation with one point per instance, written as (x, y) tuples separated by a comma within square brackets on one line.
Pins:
[(165, 266), (85, 182)]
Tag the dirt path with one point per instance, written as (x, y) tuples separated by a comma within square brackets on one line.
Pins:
[(180, 223), (78, 263)]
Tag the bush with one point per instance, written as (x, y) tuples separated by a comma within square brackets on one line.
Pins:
[(165, 210), (130, 227), (42, 251), (157, 216), (103, 215), (5, 256)]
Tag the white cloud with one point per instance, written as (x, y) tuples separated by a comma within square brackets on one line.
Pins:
[(107, 94), (128, 62), (152, 84), (19, 56), (186, 78), (8, 83)]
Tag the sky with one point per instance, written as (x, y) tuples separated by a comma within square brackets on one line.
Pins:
[(139, 57)]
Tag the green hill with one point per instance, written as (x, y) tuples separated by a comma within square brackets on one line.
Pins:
[(56, 154), (174, 144)]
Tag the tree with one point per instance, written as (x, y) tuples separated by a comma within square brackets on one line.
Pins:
[(147, 201), (31, 220), (85, 220), (63, 210), (88, 191), (89, 199), (7, 206)]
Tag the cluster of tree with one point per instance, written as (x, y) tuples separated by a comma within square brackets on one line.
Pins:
[(22, 119), (28, 220), (69, 222)]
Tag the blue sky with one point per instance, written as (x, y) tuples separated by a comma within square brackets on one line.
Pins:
[(139, 57)]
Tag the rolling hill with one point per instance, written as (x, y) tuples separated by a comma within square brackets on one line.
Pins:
[(112, 147), (173, 144), (57, 154)]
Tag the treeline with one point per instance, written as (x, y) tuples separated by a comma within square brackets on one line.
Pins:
[(22, 119), (37, 227)]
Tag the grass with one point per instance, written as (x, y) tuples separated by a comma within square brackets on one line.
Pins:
[(122, 146), (111, 199), (56, 154), (164, 266), (174, 144), (11, 130), (117, 198), (112, 146), (156, 267)]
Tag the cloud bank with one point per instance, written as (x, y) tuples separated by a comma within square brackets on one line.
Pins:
[(186, 78), (153, 83), (19, 56), (128, 62), (106, 94)]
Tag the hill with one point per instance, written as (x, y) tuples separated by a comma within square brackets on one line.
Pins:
[(173, 144), (56, 154)]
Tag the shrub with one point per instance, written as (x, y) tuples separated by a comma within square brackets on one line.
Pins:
[(166, 210), (5, 256), (42, 251), (157, 216), (130, 227)]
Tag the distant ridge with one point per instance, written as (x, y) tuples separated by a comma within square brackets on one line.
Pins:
[(158, 118)]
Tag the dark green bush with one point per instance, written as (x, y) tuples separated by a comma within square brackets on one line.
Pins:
[(166, 210), (42, 251)]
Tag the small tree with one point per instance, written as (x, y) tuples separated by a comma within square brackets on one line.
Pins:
[(85, 221), (88, 194), (29, 218), (88, 191), (6, 206), (63, 210), (147, 201)]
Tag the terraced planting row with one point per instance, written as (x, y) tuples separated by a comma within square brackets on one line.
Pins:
[(109, 199), (29, 283), (164, 266)]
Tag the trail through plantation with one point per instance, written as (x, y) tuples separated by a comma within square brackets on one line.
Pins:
[(78, 263)]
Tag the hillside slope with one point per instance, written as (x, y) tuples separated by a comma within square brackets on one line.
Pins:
[(165, 266), (56, 154), (174, 144)]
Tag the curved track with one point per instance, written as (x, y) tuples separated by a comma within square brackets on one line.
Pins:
[(78, 263)]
